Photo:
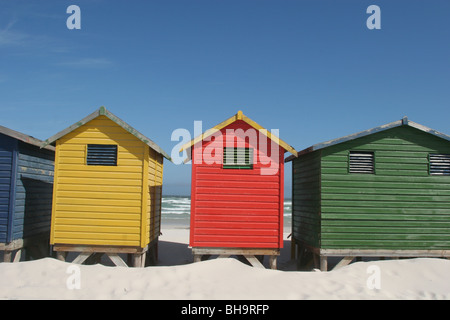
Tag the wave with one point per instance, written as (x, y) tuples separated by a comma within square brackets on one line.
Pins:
[(174, 212), (182, 202)]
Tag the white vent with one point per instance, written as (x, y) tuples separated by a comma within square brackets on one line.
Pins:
[(237, 158), (361, 162), (101, 155), (440, 164)]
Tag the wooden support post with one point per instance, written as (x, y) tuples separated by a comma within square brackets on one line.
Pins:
[(255, 256), (81, 257), (273, 262), (139, 260), (323, 263), (136, 256), (94, 258), (143, 259), (61, 255), (17, 255), (345, 261), (7, 256), (116, 259), (253, 261)]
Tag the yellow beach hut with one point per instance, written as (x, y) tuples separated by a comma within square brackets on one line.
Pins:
[(107, 191)]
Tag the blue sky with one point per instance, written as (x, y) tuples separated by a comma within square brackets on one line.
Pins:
[(311, 69)]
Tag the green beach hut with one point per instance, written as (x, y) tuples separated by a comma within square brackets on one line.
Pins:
[(383, 192)]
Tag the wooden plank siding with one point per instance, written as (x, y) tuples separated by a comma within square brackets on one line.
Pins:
[(306, 199), (26, 183), (8, 148), (34, 189), (235, 208), (155, 181), (399, 207), (99, 205)]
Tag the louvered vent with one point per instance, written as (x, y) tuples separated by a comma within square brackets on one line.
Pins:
[(440, 164), (361, 162), (101, 155), (238, 158)]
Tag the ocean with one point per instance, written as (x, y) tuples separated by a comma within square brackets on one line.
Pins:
[(175, 211)]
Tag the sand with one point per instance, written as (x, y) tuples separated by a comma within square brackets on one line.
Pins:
[(176, 277)]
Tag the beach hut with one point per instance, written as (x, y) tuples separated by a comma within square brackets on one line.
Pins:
[(26, 184), (383, 192), (107, 195), (237, 191)]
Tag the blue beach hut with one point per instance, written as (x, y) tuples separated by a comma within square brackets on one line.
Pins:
[(26, 186)]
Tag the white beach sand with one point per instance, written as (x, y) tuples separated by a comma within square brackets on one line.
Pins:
[(176, 277)]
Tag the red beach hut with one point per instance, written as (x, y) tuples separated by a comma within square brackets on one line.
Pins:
[(237, 190)]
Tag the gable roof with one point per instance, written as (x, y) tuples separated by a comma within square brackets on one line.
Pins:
[(23, 137), (403, 122), (236, 117), (103, 112)]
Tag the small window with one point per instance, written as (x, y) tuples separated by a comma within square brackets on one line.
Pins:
[(361, 162), (238, 158), (440, 164), (101, 155)]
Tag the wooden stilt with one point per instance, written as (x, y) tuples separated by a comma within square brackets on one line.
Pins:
[(137, 260), (116, 259), (323, 263), (345, 261), (273, 262), (136, 256), (260, 257), (143, 259), (7, 256), (61, 255), (81, 257), (254, 261), (34, 248), (17, 256), (254, 256), (94, 258)]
